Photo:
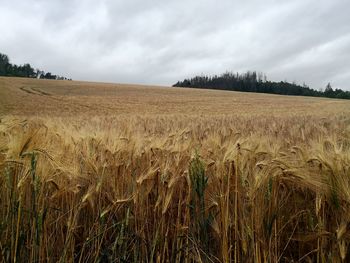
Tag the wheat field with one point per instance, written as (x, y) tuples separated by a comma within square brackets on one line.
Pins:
[(94, 172)]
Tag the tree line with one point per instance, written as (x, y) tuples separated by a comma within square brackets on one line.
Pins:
[(25, 70), (257, 82)]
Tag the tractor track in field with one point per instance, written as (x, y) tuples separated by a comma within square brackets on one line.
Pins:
[(38, 92)]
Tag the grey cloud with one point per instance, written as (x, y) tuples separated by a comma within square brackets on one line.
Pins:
[(160, 42)]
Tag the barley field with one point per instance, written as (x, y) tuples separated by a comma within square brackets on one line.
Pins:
[(94, 172)]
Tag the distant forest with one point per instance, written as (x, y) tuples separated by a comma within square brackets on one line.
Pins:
[(25, 70), (257, 82)]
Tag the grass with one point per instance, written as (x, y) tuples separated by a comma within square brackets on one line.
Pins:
[(194, 187)]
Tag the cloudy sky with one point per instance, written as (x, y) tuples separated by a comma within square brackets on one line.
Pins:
[(160, 42)]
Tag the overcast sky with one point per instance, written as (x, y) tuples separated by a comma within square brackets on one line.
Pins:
[(160, 42)]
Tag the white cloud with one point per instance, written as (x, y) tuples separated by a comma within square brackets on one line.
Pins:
[(160, 42)]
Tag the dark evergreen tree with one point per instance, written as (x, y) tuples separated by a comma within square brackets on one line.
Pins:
[(13, 70), (329, 91), (4, 62), (257, 82)]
